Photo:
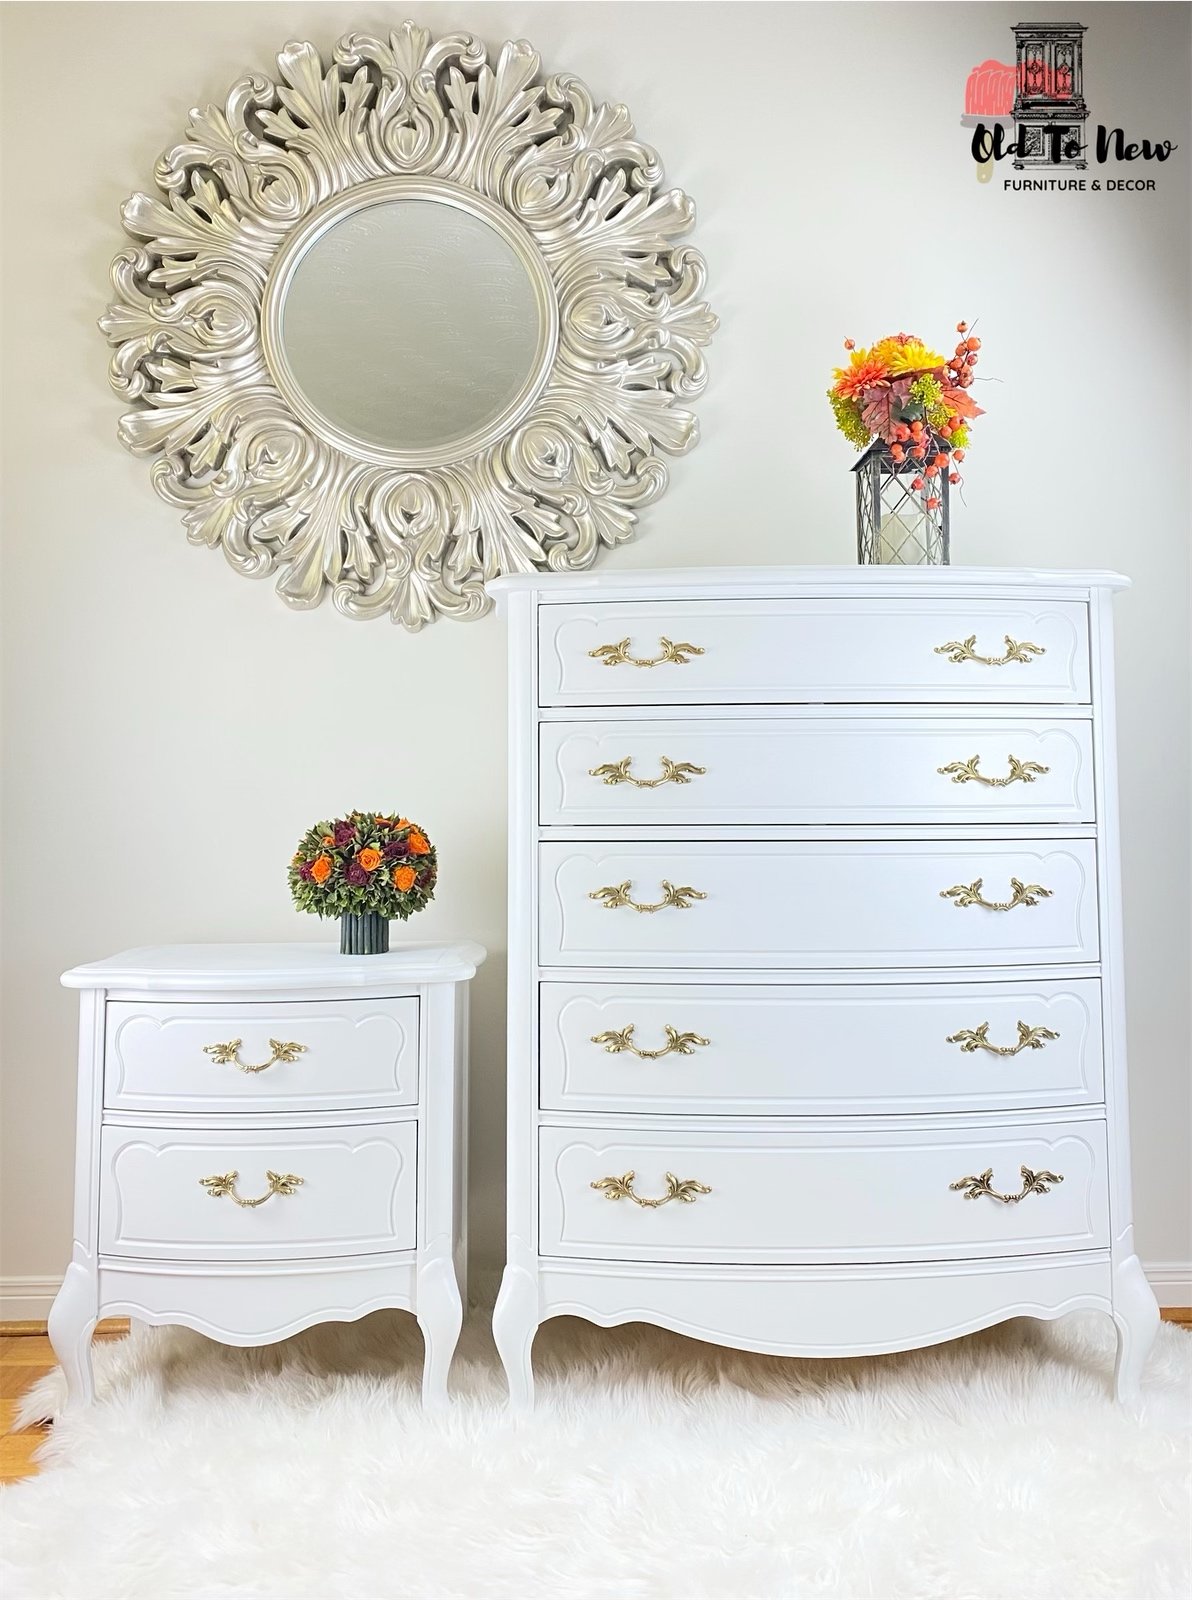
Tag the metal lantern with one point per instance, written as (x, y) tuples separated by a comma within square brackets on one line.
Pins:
[(895, 525)]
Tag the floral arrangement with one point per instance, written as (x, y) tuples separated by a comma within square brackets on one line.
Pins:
[(364, 862), (912, 399)]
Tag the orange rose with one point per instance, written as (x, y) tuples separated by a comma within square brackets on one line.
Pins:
[(369, 858), (419, 843), (403, 822), (320, 868), (328, 838), (404, 877)]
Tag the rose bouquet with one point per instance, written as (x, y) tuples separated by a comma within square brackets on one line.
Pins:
[(911, 399), (366, 866)]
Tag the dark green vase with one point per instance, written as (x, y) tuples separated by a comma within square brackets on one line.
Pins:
[(363, 933)]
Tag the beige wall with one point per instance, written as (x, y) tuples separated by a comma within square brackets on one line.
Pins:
[(170, 728)]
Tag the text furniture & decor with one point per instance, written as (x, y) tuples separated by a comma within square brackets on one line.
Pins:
[(269, 1136), (816, 1033)]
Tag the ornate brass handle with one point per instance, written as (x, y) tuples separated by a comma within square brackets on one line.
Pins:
[(958, 650), (683, 1189), (617, 655), (614, 772), (225, 1183), (678, 1044), (617, 894), (966, 772), (1032, 1183), (1022, 894), (971, 1039), (230, 1052)]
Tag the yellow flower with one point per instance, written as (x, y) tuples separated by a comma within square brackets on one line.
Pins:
[(906, 354)]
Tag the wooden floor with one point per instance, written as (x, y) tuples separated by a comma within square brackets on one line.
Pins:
[(26, 1356)]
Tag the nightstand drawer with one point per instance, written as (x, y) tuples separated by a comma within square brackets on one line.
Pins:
[(254, 1056), (690, 652), (200, 1195), (703, 1050), (863, 903), (888, 1194), (752, 771)]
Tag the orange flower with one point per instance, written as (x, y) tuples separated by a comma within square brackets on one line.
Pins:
[(320, 868), (418, 842), (403, 822), (369, 858), (404, 877), (863, 370), (328, 838)]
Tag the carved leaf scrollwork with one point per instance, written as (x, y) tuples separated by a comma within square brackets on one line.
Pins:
[(249, 477)]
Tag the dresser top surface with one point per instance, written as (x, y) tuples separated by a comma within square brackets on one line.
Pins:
[(716, 582), (205, 968)]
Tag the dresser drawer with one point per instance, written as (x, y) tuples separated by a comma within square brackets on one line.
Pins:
[(881, 1195), (771, 1050), (357, 1192), (791, 770), (773, 651), (872, 903), (253, 1056)]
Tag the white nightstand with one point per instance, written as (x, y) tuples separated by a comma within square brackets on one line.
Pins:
[(269, 1136)]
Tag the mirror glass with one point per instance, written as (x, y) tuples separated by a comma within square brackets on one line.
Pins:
[(410, 323)]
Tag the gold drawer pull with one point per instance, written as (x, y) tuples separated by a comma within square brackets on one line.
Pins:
[(958, 650), (971, 1039), (966, 772), (225, 1183), (678, 1044), (1023, 894), (617, 894), (230, 1052), (614, 772), (1032, 1183), (617, 655), (684, 1189)]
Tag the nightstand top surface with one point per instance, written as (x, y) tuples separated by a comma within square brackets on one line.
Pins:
[(201, 968)]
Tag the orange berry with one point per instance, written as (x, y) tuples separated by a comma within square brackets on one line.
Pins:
[(919, 452), (916, 483), (849, 345), (931, 472), (959, 455), (972, 344), (897, 452), (953, 477), (941, 460), (933, 502), (962, 327)]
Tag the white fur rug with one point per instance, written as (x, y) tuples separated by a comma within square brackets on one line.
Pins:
[(994, 1468)]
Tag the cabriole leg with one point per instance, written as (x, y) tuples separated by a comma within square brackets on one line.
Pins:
[(71, 1323), (515, 1322), (440, 1316), (1136, 1315)]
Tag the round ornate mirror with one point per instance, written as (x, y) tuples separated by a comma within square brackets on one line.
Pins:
[(410, 322), (401, 323)]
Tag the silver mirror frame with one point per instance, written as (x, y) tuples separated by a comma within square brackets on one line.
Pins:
[(235, 446)]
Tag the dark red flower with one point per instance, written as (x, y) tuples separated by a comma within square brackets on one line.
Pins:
[(344, 833), (395, 851), (355, 873)]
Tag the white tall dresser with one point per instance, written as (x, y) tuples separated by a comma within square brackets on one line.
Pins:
[(816, 1034)]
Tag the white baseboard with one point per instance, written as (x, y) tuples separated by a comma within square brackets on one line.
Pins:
[(1171, 1281), (29, 1299)]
